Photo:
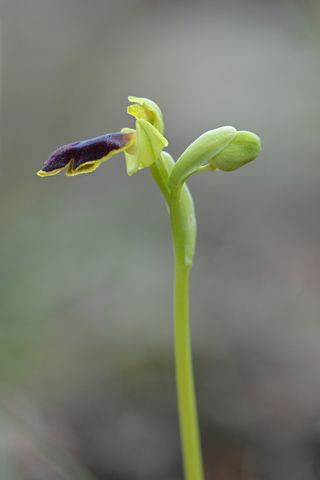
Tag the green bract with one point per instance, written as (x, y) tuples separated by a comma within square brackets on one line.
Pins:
[(200, 152)]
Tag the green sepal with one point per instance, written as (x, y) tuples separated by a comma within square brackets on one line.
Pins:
[(130, 154), (132, 164), (150, 143)]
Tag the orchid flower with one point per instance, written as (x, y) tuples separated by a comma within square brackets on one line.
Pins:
[(141, 146)]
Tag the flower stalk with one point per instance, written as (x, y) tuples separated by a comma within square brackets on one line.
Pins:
[(224, 149), (183, 226), (187, 405)]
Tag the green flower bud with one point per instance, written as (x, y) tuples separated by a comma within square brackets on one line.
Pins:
[(243, 148)]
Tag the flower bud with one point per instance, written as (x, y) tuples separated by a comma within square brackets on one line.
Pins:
[(243, 148)]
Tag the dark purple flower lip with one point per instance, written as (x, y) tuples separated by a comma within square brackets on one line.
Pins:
[(86, 156)]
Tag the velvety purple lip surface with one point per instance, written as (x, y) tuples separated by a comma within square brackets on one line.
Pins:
[(87, 151)]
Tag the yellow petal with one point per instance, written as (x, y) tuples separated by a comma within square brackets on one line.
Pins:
[(137, 111), (152, 112)]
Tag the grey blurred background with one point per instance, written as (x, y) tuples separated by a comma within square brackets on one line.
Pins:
[(87, 386)]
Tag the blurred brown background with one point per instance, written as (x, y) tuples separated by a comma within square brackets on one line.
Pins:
[(86, 348)]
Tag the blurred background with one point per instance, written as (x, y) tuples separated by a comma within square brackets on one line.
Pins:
[(87, 387)]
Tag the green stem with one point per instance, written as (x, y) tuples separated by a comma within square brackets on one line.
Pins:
[(183, 234), (188, 417), (183, 225)]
